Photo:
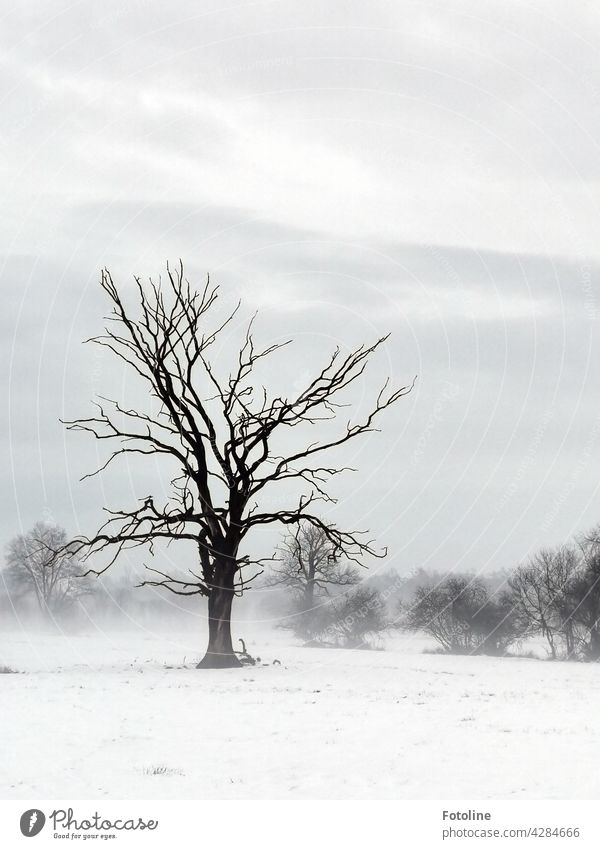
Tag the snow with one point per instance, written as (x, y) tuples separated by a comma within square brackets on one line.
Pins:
[(103, 715)]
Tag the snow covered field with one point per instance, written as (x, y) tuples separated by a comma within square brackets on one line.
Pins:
[(112, 715)]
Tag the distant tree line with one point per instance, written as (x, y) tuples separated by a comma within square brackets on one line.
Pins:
[(554, 596)]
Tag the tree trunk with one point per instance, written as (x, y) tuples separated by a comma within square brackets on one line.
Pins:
[(547, 632), (569, 640), (220, 654), (594, 643)]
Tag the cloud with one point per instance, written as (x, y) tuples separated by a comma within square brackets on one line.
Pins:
[(478, 128), (349, 169)]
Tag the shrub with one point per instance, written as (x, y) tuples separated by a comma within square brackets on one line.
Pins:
[(349, 620), (463, 618)]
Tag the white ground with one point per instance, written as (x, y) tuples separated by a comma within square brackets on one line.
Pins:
[(95, 716)]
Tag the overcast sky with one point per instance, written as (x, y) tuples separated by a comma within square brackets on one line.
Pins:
[(349, 168)]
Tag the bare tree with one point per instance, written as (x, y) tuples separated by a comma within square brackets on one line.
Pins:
[(309, 565), (584, 597), (442, 610), (221, 432), (41, 562), (541, 593)]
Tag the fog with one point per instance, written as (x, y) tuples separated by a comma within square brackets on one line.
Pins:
[(425, 172)]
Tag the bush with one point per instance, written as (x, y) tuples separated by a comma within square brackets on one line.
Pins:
[(463, 618), (350, 620)]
